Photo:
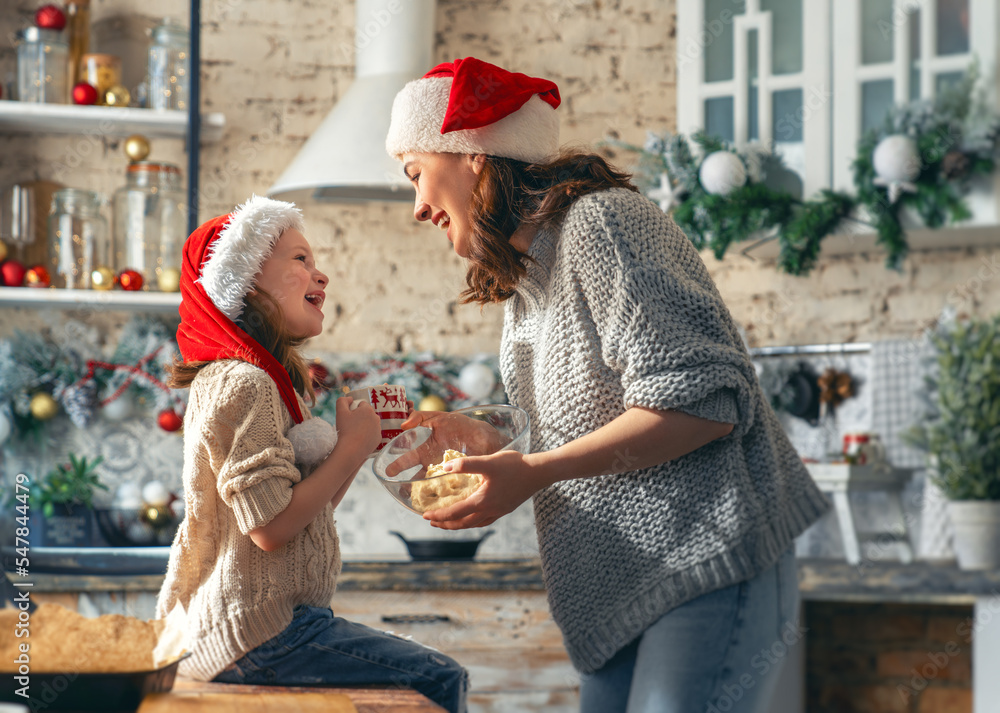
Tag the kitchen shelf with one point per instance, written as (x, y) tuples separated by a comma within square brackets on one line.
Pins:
[(25, 117), (89, 299)]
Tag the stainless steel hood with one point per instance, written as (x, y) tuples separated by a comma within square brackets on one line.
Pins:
[(345, 158)]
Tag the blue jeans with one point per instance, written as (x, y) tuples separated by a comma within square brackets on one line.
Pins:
[(319, 648), (719, 653)]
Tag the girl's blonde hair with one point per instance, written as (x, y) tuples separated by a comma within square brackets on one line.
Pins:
[(261, 319)]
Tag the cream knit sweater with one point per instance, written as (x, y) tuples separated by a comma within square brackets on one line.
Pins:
[(618, 310), (238, 474)]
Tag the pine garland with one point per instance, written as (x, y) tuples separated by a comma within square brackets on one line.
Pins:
[(31, 363), (956, 136)]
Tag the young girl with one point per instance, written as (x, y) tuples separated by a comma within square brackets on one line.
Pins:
[(255, 561), (666, 494)]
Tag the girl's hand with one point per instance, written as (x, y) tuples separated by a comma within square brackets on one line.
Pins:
[(508, 480), (358, 427)]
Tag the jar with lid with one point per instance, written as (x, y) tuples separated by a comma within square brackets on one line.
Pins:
[(42, 66), (169, 67), (78, 238), (150, 224)]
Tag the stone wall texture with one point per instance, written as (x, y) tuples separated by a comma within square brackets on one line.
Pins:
[(275, 68)]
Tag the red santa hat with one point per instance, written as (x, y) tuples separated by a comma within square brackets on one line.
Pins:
[(221, 259), (472, 107)]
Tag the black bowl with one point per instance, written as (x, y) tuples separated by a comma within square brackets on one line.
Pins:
[(439, 550), (91, 691)]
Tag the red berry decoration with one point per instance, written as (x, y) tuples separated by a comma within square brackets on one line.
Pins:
[(84, 94), (50, 17), (13, 273), (130, 280), (169, 420), (37, 276)]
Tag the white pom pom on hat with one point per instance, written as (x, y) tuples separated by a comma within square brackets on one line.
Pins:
[(312, 440), (235, 257)]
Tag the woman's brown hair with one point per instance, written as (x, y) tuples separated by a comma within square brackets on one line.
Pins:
[(261, 319), (512, 193)]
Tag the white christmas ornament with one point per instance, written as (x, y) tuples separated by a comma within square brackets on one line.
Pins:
[(722, 172), (666, 195), (118, 410), (312, 440), (128, 496), (477, 380), (896, 161), (155, 493)]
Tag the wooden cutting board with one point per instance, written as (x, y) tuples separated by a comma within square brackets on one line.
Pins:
[(193, 702)]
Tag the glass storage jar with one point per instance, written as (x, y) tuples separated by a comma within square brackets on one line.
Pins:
[(42, 66), (150, 224), (102, 72), (78, 238), (169, 67)]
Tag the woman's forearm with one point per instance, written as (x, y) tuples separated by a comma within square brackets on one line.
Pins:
[(639, 438), (328, 483)]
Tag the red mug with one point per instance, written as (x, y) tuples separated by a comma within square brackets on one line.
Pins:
[(389, 402)]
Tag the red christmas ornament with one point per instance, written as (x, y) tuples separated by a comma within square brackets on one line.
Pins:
[(13, 273), (50, 17), (319, 374), (84, 94), (169, 420), (37, 276), (130, 280)]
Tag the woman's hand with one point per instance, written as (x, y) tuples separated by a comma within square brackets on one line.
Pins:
[(509, 479), (358, 426), (448, 429)]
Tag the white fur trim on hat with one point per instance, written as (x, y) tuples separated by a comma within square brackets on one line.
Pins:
[(235, 257), (530, 134)]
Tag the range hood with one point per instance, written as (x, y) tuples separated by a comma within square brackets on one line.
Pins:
[(345, 159)]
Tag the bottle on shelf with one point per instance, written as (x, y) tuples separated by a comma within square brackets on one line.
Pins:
[(78, 238), (78, 30), (42, 66), (169, 66), (150, 224)]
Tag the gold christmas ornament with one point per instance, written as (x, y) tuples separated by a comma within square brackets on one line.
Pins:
[(169, 280), (433, 402), (43, 407), (3, 252), (117, 96), (156, 516), (102, 279), (137, 147)]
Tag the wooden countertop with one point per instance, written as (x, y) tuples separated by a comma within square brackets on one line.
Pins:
[(197, 697), (402, 575), (819, 579)]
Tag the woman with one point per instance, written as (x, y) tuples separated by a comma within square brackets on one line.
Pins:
[(666, 494)]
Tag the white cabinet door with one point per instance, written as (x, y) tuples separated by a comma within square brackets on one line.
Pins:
[(759, 71), (888, 52)]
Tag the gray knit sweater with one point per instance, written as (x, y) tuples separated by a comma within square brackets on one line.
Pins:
[(618, 311)]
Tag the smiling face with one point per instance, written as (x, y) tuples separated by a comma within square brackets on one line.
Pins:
[(291, 277), (444, 184)]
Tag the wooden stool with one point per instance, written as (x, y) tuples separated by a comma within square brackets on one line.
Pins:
[(841, 479)]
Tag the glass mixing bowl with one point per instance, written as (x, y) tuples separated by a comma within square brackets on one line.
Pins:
[(473, 431)]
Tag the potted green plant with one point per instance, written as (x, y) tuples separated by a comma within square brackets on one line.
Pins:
[(961, 434), (62, 504)]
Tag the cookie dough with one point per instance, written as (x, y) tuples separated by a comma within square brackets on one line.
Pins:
[(441, 488), (62, 640)]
